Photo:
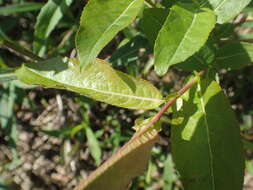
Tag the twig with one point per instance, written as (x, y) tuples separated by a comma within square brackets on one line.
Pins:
[(158, 116), (150, 3), (155, 119), (21, 51)]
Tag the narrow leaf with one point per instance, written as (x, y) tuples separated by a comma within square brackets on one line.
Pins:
[(234, 55), (98, 81), (129, 162), (93, 144), (22, 7), (206, 143), (184, 32), (100, 22), (47, 20), (228, 9), (7, 75)]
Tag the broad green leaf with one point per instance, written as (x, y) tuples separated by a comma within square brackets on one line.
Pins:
[(234, 55), (93, 144), (129, 162), (206, 143), (227, 9), (98, 81), (100, 22), (184, 32), (47, 20), (152, 22), (22, 7)]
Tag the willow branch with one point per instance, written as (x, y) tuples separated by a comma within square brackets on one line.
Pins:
[(158, 116)]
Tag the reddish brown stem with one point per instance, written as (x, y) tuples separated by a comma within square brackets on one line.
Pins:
[(158, 116), (155, 119)]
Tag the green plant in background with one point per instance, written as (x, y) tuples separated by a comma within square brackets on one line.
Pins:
[(196, 36)]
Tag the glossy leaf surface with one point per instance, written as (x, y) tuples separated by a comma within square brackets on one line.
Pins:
[(184, 32), (100, 22), (228, 9), (98, 81), (206, 143), (119, 170), (47, 20), (234, 55)]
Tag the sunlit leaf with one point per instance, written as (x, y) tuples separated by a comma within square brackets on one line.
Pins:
[(206, 143), (129, 162), (184, 32), (98, 81), (228, 9), (100, 22)]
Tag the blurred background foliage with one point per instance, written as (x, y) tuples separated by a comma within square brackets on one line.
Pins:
[(50, 139)]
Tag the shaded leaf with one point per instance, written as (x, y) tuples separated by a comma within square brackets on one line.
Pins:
[(47, 20), (208, 137), (227, 9), (128, 55), (100, 22), (184, 32), (7, 75), (200, 60), (22, 7), (152, 22), (134, 156), (234, 55), (98, 81)]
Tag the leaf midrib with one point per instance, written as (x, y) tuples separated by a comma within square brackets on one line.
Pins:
[(211, 163), (109, 27), (102, 91), (183, 39), (222, 3)]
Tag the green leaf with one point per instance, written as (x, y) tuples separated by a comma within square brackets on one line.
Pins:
[(184, 32), (234, 55), (98, 81), (22, 7), (100, 22), (168, 174), (47, 20), (200, 60), (206, 144), (128, 55), (129, 162), (7, 75), (93, 144), (227, 9), (152, 22)]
